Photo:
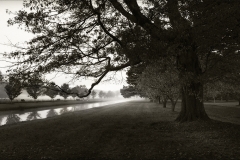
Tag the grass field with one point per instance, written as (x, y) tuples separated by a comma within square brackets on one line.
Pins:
[(130, 130)]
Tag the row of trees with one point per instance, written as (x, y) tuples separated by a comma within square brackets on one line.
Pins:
[(159, 84), (35, 88), (163, 84)]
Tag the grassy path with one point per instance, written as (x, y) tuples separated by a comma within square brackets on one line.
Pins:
[(131, 130), (227, 112)]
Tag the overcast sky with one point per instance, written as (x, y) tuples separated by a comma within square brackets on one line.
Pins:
[(14, 35)]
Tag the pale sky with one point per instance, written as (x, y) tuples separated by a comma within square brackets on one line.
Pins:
[(15, 35)]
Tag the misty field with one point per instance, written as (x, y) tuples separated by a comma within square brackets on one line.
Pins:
[(130, 130)]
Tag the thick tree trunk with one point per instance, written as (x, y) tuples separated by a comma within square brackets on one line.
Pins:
[(192, 107)]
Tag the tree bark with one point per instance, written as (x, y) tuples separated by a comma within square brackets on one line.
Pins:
[(192, 107)]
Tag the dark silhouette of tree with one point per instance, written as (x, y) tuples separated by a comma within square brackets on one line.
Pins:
[(101, 94), (34, 86), (128, 91), (93, 94), (80, 90), (51, 91), (13, 88), (12, 118), (92, 38), (33, 116), (74, 90), (52, 113), (65, 90)]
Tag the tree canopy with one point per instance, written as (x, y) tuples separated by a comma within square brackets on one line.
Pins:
[(94, 37), (65, 90), (13, 88), (34, 86), (51, 91)]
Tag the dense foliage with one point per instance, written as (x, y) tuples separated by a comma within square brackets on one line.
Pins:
[(51, 91), (65, 90), (34, 86), (13, 88)]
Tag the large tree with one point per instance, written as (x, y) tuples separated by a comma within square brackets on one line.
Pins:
[(94, 37)]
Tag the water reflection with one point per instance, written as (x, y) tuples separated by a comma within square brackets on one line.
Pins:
[(33, 116), (64, 110), (38, 113), (52, 113), (1, 118), (12, 118)]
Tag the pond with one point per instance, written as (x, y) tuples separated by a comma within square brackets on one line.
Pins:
[(17, 116)]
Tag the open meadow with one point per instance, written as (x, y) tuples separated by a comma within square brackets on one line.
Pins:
[(130, 130)]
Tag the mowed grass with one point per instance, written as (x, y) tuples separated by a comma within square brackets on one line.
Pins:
[(130, 130)]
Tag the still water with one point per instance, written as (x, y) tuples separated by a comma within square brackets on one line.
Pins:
[(40, 113)]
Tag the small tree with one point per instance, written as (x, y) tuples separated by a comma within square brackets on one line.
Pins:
[(34, 86), (65, 90), (110, 94), (51, 91), (101, 94), (74, 90), (13, 88), (93, 93), (83, 90)]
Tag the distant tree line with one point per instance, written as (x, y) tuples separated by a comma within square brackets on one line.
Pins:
[(35, 87)]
